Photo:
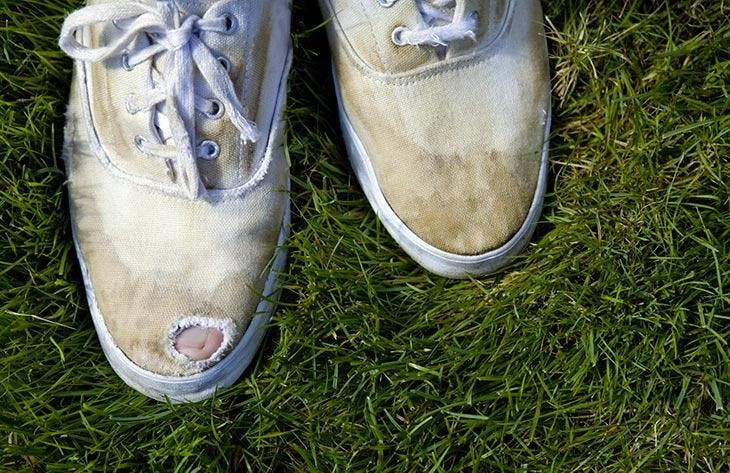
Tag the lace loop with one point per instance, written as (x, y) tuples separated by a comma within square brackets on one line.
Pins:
[(175, 42), (440, 29)]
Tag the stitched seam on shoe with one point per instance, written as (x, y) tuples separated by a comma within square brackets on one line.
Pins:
[(471, 64), (372, 34), (336, 21)]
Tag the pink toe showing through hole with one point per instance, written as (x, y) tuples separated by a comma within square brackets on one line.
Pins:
[(198, 343)]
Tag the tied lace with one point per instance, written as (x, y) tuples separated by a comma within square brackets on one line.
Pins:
[(174, 42), (441, 25)]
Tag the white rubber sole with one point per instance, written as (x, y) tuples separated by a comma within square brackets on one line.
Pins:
[(437, 261), (224, 373)]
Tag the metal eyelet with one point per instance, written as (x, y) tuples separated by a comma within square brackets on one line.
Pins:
[(225, 63), (216, 110), (387, 3), (208, 150), (231, 23), (139, 141), (131, 109), (125, 62), (397, 34)]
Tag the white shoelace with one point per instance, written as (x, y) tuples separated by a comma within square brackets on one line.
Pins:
[(440, 29), (174, 39)]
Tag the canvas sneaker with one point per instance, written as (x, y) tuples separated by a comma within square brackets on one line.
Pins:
[(178, 184), (445, 110)]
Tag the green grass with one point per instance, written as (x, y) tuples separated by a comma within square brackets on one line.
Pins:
[(604, 348)]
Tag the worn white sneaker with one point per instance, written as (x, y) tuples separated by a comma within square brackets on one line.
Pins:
[(445, 109), (178, 184)]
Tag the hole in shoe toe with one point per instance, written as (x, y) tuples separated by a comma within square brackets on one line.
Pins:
[(199, 343)]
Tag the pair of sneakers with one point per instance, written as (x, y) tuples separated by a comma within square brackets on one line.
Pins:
[(178, 182)]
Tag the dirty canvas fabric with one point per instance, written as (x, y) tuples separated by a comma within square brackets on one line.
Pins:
[(158, 258), (454, 133)]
